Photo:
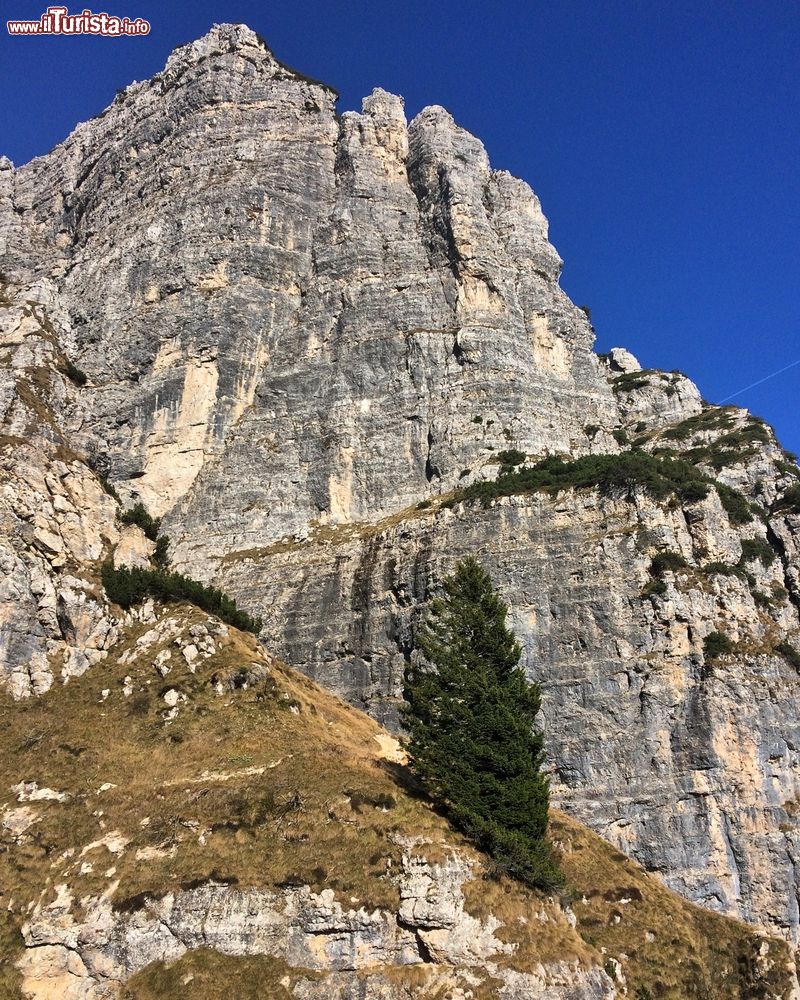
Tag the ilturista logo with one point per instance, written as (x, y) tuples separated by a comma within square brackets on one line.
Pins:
[(58, 21)]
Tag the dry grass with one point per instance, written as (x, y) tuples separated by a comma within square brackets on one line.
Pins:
[(208, 975), (292, 822), (35, 399), (671, 948), (217, 977), (533, 923)]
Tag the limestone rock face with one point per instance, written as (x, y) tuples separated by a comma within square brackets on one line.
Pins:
[(133, 548), (56, 520), (654, 399), (621, 361), (334, 302), (283, 331)]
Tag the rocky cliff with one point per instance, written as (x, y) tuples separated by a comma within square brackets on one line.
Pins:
[(301, 338)]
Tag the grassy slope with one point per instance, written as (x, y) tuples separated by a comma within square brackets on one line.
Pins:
[(283, 783)]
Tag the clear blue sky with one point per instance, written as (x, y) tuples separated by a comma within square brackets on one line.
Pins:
[(663, 139)]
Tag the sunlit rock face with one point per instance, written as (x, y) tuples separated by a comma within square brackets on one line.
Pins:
[(255, 285), (295, 328)]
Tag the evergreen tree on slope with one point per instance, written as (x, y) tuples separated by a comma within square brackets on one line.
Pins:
[(470, 715)]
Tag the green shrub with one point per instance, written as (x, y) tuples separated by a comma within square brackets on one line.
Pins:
[(641, 425), (788, 469), (709, 419), (510, 458), (779, 592), (139, 516), (732, 448), (790, 501), (722, 569), (654, 588), (76, 375), (716, 644), (677, 433), (424, 504), (613, 475), (664, 562), (755, 430), (620, 435), (160, 556), (757, 548), (629, 381), (734, 504), (717, 458), (477, 419), (762, 600), (109, 488), (591, 431), (789, 653), (693, 491), (127, 586), (529, 861)]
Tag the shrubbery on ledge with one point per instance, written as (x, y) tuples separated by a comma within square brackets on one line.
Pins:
[(614, 475), (127, 586)]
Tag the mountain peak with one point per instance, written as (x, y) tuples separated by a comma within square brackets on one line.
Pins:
[(234, 40), (218, 39)]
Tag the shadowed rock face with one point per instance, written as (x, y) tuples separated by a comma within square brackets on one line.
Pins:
[(296, 327)]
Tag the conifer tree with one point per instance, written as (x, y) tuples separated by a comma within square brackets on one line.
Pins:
[(470, 714)]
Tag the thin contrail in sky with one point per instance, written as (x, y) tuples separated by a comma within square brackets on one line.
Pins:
[(766, 378)]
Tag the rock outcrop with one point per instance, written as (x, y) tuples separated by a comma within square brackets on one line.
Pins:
[(310, 932), (296, 337), (56, 519)]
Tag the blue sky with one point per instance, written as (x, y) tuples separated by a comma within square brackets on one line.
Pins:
[(663, 139)]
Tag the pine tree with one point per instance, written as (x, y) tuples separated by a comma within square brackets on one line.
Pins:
[(470, 714)]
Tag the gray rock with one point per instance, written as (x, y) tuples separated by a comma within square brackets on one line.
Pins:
[(652, 746)]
